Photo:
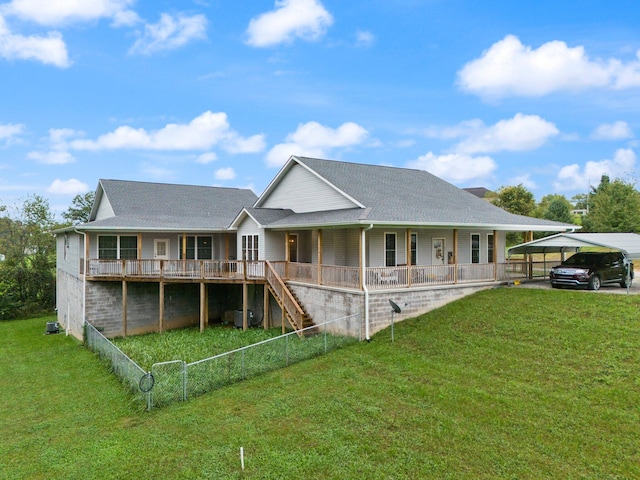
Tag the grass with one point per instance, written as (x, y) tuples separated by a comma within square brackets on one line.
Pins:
[(188, 344), (508, 383)]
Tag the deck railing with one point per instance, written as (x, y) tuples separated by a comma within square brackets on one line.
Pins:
[(175, 269), (376, 278)]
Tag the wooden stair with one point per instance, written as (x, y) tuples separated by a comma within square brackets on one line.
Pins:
[(289, 303)]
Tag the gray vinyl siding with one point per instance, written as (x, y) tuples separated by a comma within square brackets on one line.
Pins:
[(340, 247), (104, 209), (69, 262), (275, 246), (302, 191)]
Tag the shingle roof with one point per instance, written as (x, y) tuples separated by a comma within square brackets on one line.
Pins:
[(144, 205), (394, 195)]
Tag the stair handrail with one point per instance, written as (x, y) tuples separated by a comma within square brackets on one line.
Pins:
[(291, 306)]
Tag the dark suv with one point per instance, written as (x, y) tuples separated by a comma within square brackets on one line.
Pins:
[(593, 269)]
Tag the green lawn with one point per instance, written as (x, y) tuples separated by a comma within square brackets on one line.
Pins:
[(509, 383)]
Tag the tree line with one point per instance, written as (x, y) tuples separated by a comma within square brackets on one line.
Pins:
[(28, 247), (612, 206), (28, 254)]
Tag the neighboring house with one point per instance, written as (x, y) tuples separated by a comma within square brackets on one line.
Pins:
[(326, 239), (479, 192)]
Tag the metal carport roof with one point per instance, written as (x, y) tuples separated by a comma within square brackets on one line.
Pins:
[(628, 243)]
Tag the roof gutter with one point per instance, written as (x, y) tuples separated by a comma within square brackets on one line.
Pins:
[(364, 281)]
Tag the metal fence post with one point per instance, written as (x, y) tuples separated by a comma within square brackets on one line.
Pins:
[(184, 381)]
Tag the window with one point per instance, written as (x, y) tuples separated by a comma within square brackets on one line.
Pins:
[(390, 249), (198, 248), (475, 248), (490, 258), (108, 247), (414, 249), (250, 247), (113, 247), (204, 248)]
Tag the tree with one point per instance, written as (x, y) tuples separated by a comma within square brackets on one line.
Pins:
[(80, 208), (558, 211), (516, 199), (613, 207), (27, 275), (580, 201)]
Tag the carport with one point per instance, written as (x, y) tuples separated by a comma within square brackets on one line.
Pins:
[(628, 243)]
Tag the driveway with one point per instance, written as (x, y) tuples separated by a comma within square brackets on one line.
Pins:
[(616, 289)]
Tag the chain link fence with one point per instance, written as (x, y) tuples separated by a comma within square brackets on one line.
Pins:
[(129, 372), (175, 381)]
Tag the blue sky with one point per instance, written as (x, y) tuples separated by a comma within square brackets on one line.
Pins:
[(219, 92)]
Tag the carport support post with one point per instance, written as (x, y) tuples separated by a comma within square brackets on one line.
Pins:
[(530, 259)]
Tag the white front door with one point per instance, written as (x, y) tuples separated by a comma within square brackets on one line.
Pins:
[(161, 249), (437, 256)]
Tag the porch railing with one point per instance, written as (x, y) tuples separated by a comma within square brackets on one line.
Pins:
[(176, 269), (376, 278)]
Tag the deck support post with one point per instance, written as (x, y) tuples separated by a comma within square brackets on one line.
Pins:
[(245, 295), (161, 316), (266, 317), (319, 256), (203, 306), (124, 307), (283, 318)]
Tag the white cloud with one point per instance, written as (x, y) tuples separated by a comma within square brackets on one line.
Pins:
[(54, 157), (49, 49), (68, 187), (207, 158), (62, 12), (11, 131), (612, 131), (457, 168), (364, 39), (304, 19), (522, 132), (202, 133), (573, 177), (314, 140), (170, 33), (225, 174), (509, 68), (524, 180)]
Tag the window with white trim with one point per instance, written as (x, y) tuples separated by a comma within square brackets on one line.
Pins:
[(475, 248), (197, 248), (490, 253), (414, 249), (390, 250), (250, 247), (114, 247)]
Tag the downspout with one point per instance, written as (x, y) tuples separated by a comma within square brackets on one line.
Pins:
[(84, 280), (364, 282)]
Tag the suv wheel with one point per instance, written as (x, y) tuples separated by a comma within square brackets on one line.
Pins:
[(625, 283), (594, 283)]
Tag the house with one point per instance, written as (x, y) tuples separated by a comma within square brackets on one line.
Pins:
[(326, 239)]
